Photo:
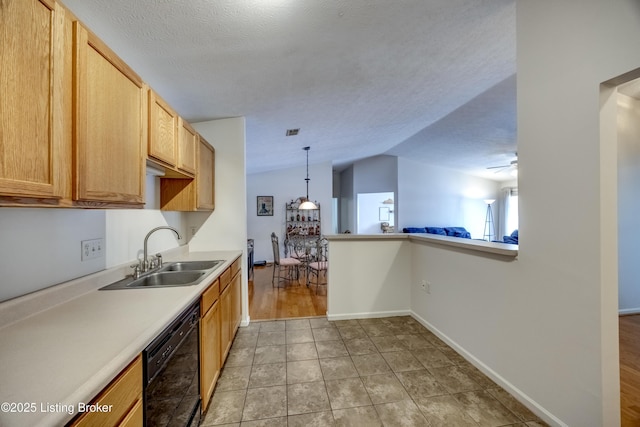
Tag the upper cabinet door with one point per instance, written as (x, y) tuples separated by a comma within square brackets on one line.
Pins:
[(187, 140), (31, 65), (163, 131), (205, 178), (110, 126)]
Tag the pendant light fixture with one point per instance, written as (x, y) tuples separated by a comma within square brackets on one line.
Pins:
[(306, 203)]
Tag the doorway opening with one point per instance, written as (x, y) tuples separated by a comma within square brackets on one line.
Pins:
[(620, 122)]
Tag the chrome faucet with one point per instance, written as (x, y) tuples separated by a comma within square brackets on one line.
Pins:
[(145, 261)]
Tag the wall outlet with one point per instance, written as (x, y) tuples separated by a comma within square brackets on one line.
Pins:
[(92, 249), (425, 285)]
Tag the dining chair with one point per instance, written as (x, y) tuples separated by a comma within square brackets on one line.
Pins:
[(321, 263), (289, 266)]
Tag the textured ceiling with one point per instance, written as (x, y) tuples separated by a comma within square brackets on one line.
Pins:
[(433, 80)]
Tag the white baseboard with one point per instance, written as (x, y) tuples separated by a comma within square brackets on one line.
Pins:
[(245, 322), (628, 311), (368, 315), (513, 390)]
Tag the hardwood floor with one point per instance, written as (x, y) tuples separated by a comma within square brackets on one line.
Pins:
[(290, 300), (629, 330)]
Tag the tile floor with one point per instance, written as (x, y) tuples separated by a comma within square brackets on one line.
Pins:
[(369, 372)]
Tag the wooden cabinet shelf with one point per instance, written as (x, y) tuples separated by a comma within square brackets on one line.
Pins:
[(192, 194)]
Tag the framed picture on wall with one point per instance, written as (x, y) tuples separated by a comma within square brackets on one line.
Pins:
[(265, 205)]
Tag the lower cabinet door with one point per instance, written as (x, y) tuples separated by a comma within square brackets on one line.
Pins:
[(209, 352), (226, 323), (236, 303)]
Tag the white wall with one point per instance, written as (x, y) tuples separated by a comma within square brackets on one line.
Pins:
[(437, 197), (369, 278), (41, 247), (628, 204), (347, 201), (226, 227), (567, 266), (369, 205), (286, 185)]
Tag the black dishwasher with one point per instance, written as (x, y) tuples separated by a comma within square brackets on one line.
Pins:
[(172, 374)]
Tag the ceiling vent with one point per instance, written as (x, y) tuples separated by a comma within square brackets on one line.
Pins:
[(292, 132)]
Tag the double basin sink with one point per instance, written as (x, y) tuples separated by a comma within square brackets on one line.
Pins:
[(180, 273)]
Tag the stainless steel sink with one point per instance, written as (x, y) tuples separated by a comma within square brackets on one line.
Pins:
[(167, 278), (191, 265), (181, 273)]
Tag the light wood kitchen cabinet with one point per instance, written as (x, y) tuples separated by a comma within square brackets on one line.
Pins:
[(187, 146), (192, 194), (124, 395), (109, 126), (205, 176), (163, 131), (236, 301), (33, 155), (225, 322), (209, 350)]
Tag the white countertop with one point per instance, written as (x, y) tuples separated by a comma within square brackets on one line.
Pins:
[(480, 246), (64, 344)]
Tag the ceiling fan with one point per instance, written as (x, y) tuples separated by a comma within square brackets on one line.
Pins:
[(511, 168)]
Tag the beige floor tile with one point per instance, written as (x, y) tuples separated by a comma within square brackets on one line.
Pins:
[(413, 342), (444, 411), (431, 357), (384, 388), (346, 323), (268, 375), (521, 411), (295, 324), (326, 334), (315, 419), (402, 361), (331, 349), (370, 364), (420, 384), (298, 336), (271, 338), (321, 322), (378, 329), (270, 354), (400, 414), (307, 398), (453, 356), (362, 416), (303, 371), (273, 325), (305, 351), (265, 402), (454, 379), (269, 422), (234, 378), (351, 332), (240, 357), (225, 407), (336, 368), (388, 343), (347, 393), (360, 346), (247, 340), (485, 409)]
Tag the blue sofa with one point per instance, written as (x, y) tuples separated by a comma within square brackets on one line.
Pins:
[(512, 239), (442, 231)]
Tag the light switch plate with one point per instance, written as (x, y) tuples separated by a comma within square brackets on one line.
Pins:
[(92, 249)]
